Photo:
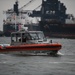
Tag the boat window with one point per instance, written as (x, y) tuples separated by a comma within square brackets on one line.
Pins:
[(15, 37), (34, 36), (40, 35), (26, 35), (37, 36)]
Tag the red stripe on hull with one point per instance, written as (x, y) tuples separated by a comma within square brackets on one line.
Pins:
[(32, 47)]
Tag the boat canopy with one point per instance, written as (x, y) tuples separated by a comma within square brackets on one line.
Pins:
[(20, 37)]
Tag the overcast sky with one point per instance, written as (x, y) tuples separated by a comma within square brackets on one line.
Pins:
[(7, 4)]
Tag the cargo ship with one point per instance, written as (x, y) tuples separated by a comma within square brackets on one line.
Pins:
[(54, 21)]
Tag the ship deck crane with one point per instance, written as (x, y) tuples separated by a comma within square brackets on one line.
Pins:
[(26, 4), (11, 10), (37, 7), (36, 13)]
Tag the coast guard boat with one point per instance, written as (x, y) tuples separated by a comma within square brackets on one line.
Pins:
[(30, 42)]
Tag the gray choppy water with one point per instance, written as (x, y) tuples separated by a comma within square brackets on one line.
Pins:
[(64, 64)]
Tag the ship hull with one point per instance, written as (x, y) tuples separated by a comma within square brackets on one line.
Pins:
[(31, 49), (58, 30)]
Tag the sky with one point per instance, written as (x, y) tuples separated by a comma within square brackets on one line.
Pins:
[(8, 4)]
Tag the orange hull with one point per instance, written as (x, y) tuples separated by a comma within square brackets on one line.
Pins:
[(31, 47)]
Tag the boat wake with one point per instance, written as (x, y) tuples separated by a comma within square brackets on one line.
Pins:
[(59, 53)]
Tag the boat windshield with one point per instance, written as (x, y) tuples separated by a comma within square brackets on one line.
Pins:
[(37, 36)]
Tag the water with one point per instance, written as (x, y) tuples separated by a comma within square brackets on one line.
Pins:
[(64, 64)]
